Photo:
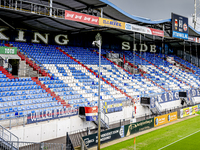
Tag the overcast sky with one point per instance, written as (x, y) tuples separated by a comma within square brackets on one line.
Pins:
[(158, 9)]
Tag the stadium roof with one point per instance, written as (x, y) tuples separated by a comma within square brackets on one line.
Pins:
[(25, 19)]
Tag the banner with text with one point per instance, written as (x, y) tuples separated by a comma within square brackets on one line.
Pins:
[(138, 126), (111, 23), (188, 111), (51, 114), (74, 16), (110, 107), (8, 50), (160, 120), (163, 98), (106, 136), (142, 29)]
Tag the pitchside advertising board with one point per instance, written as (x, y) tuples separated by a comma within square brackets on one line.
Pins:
[(34, 117), (179, 26), (188, 111), (120, 132), (138, 126), (106, 136), (160, 120)]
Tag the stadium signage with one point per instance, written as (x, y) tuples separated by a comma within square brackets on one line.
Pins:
[(51, 114), (106, 136), (8, 50), (61, 39), (144, 30), (188, 111), (138, 126), (163, 98), (110, 107), (142, 47), (111, 23), (80, 17), (163, 119), (179, 26)]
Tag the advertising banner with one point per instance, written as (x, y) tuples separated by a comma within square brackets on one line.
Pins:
[(111, 23), (8, 50), (192, 39), (179, 26), (184, 112), (138, 126), (106, 136), (188, 111), (145, 30), (110, 107), (160, 120), (74, 16), (194, 109), (51, 114), (91, 113)]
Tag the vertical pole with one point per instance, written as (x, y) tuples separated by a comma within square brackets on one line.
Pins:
[(195, 14), (50, 13), (184, 56), (99, 105), (154, 44), (197, 59), (145, 54), (101, 12), (133, 48), (140, 52), (190, 53)]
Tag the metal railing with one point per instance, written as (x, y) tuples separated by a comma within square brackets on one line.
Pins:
[(6, 137), (39, 146), (104, 119), (30, 7)]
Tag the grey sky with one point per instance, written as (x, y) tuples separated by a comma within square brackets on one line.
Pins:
[(157, 9)]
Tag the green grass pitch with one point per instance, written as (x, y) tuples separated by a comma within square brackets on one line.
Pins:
[(167, 135)]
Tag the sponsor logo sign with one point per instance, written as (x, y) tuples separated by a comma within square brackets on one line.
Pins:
[(110, 107), (188, 111), (74, 16), (192, 39), (106, 136), (145, 30), (179, 26), (51, 114), (138, 126), (111, 23), (8, 50), (160, 120)]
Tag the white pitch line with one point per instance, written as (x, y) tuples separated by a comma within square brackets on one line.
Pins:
[(179, 140)]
